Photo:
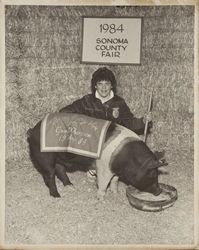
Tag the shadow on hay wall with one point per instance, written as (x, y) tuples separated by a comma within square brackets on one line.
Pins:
[(43, 70)]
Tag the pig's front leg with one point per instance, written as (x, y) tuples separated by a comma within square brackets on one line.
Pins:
[(104, 176), (114, 184)]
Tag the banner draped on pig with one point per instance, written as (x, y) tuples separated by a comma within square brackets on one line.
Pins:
[(75, 133)]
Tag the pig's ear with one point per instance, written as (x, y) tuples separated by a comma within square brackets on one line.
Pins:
[(159, 154), (159, 164), (164, 163)]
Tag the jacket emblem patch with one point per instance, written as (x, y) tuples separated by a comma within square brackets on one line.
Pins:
[(115, 112)]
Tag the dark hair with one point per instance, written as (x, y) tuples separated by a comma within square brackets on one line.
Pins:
[(103, 74)]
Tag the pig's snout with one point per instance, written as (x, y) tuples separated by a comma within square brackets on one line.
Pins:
[(154, 189)]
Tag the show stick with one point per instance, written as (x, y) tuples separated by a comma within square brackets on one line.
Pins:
[(149, 109)]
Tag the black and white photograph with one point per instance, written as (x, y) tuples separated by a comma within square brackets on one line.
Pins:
[(99, 125)]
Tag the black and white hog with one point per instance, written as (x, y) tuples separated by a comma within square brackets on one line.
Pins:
[(122, 157)]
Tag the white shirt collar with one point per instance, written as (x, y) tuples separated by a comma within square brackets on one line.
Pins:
[(103, 100)]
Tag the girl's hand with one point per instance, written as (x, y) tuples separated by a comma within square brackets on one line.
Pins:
[(147, 117)]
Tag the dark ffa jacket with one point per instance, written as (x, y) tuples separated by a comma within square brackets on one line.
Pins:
[(115, 110)]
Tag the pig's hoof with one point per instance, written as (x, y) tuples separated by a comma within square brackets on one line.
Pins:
[(67, 183), (100, 196), (56, 195), (114, 190), (71, 187)]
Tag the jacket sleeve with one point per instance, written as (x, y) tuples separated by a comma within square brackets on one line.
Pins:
[(75, 107), (128, 120)]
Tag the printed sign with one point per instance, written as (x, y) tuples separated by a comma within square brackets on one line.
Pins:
[(111, 40), (75, 133)]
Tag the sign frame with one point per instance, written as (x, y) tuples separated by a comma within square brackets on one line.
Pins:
[(82, 61)]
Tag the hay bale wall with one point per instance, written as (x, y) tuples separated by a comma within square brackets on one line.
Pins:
[(43, 70)]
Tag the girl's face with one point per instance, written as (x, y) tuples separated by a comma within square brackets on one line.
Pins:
[(103, 88)]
